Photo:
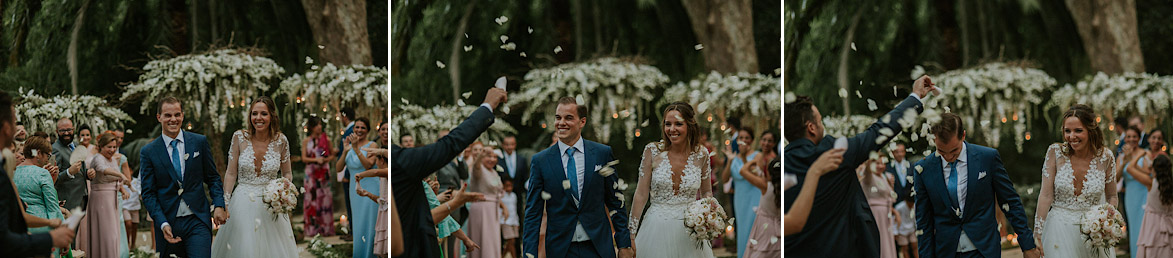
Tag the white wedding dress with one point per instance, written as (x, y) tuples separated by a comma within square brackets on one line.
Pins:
[(662, 233), (1060, 208), (251, 230)]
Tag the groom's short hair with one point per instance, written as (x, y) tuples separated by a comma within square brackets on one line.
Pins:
[(950, 127), (582, 109), (168, 100)]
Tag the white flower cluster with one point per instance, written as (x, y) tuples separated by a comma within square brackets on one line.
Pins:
[(280, 196), (1102, 226), (40, 113), (330, 88), (752, 94), (1142, 93), (705, 219), (209, 84), (143, 252), (991, 99), (846, 126), (617, 92), (319, 248), (425, 123)]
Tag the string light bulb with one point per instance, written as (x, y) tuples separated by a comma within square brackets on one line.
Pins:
[(1027, 136), (637, 132)]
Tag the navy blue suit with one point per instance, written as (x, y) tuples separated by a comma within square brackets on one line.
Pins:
[(840, 222), (939, 227), (902, 190), (161, 184), (598, 192)]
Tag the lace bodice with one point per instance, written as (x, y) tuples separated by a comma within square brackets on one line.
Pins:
[(242, 162), (1058, 197), (670, 193)]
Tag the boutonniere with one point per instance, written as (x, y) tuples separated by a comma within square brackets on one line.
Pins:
[(196, 155), (981, 174)]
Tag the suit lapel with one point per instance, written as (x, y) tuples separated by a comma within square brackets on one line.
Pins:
[(936, 181), (975, 167), (558, 171), (588, 160), (166, 159)]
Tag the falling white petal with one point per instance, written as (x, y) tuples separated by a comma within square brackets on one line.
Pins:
[(853, 46), (501, 20), (545, 195), (872, 105), (919, 168), (698, 47), (557, 49), (523, 54), (578, 100), (529, 29), (466, 94), (467, 48), (857, 95), (790, 97), (842, 93), (440, 64), (504, 39)]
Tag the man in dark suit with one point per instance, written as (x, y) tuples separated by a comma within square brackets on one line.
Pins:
[(410, 166), (900, 170), (517, 170), (71, 187), (957, 190), (840, 222), (15, 240)]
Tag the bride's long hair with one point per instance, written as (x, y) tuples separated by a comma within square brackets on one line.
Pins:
[(1087, 117), (1163, 171)]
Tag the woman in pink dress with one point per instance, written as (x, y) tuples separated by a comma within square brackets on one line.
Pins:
[(101, 230), (318, 203), (1156, 232), (878, 189), (766, 234), (483, 221)]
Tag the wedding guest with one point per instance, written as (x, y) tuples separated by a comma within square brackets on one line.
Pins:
[(364, 211), (380, 158), (767, 230), (745, 196), (407, 141), (71, 187), (347, 117), (878, 189), (36, 187), (445, 225), (901, 170), (15, 240), (131, 204), (1157, 143), (1155, 232), (510, 228), (318, 201), (483, 224), (1138, 122), (1119, 125), (85, 139), (21, 136), (1136, 182), (100, 234), (795, 220), (516, 168)]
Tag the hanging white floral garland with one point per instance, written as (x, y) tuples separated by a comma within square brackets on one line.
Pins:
[(209, 85), (754, 95), (617, 92), (991, 99), (40, 113), (329, 88), (424, 124), (846, 126), (1139, 93)]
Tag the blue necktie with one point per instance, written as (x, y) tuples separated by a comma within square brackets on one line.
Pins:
[(175, 157), (953, 184), (572, 172)]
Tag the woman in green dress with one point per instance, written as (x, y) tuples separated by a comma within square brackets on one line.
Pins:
[(35, 185)]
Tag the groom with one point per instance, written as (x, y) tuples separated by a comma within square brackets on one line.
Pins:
[(957, 189), (567, 174), (174, 173)]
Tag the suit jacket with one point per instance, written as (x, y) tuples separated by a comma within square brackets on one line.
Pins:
[(902, 190), (409, 166), (840, 222), (14, 237), (72, 190), (547, 173), (938, 225), (520, 177), (161, 183)]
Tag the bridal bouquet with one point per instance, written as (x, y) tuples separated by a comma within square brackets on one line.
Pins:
[(1102, 226), (280, 196), (705, 219)]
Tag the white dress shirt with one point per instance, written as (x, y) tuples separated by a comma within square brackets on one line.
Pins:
[(184, 210), (964, 244), (580, 166), (511, 163)]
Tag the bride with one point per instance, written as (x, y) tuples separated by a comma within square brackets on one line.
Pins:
[(1077, 175), (255, 230), (676, 172)]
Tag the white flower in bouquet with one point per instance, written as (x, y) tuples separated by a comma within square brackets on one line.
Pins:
[(280, 196), (704, 219)]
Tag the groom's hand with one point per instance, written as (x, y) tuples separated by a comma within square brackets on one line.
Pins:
[(171, 238), (220, 215)]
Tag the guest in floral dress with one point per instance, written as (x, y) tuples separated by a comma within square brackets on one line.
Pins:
[(318, 203)]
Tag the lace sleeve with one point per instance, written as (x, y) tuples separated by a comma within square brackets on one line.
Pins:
[(706, 170), (286, 167), (1110, 178), (642, 187), (231, 167), (1047, 193)]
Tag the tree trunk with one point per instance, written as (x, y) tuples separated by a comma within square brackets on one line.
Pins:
[(457, 47), (216, 142), (963, 15), (340, 27), (1109, 34), (598, 22), (195, 24), (983, 28), (844, 53), (71, 55), (948, 26), (578, 46), (725, 30)]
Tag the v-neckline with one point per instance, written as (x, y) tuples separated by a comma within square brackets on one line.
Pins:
[(1078, 191), (672, 171), (261, 160)]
